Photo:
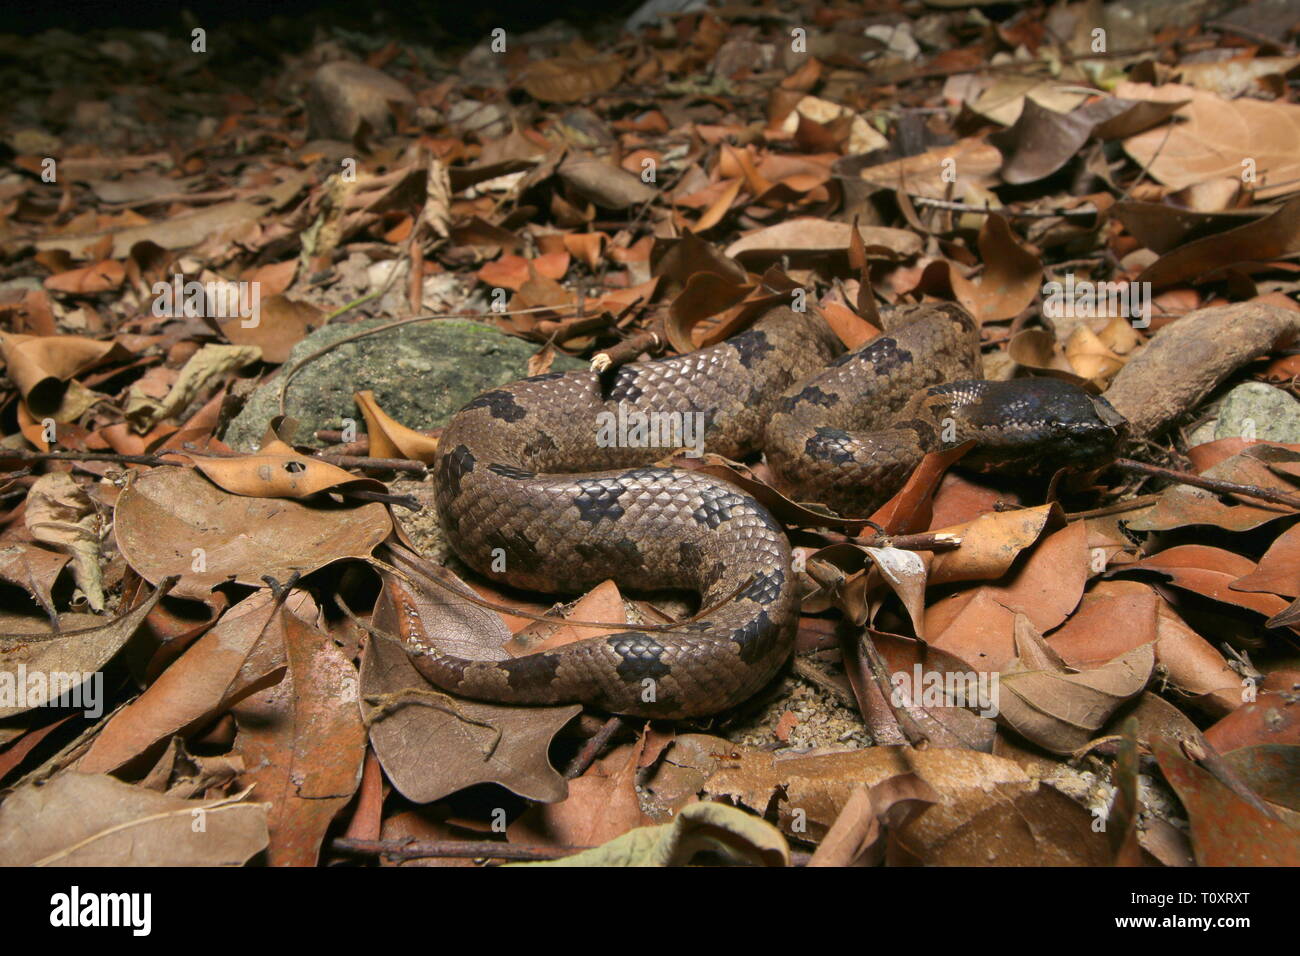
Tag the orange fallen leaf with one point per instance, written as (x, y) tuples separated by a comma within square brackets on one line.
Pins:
[(390, 438)]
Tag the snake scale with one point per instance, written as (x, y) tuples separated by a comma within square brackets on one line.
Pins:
[(527, 494)]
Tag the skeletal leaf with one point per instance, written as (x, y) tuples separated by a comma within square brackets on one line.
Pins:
[(61, 515)]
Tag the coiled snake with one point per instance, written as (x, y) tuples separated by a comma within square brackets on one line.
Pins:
[(529, 493)]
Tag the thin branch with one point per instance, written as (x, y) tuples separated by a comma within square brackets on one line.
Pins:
[(452, 849), (24, 455), (880, 673), (592, 748), (955, 206), (343, 461), (1118, 507), (1210, 484)]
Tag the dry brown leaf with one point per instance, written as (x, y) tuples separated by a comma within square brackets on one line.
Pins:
[(570, 79), (1060, 709), (1004, 98), (604, 183), (602, 804), (813, 236), (855, 833), (1050, 830), (1183, 505), (1275, 236), (1011, 278), (1232, 78), (31, 568), (279, 325), (436, 744), (1278, 571), (989, 544), (390, 438), (39, 365), (1211, 572), (1226, 830), (103, 276), (205, 368), (241, 654), (280, 472), (173, 521), (1217, 135), (61, 515), (63, 662), (1089, 356), (601, 603), (1191, 664), (1271, 718), (94, 820), (814, 788), (969, 163), (304, 743)]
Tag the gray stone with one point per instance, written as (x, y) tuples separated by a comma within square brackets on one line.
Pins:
[(343, 94), (421, 374), (1253, 410)]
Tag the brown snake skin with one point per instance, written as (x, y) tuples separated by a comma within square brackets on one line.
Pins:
[(521, 478)]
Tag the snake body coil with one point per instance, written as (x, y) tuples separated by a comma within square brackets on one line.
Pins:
[(526, 478)]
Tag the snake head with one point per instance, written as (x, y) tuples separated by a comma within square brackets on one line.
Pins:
[(1029, 425)]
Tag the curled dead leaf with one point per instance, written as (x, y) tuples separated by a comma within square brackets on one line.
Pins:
[(1057, 707), (390, 438)]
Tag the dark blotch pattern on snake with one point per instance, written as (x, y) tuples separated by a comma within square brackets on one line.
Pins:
[(521, 469)]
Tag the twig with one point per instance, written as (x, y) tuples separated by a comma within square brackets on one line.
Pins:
[(592, 748), (155, 460), (956, 206), (377, 464), (815, 675), (1117, 508), (560, 330), (880, 673), (220, 195), (926, 541), (452, 849), (1246, 33), (409, 502), (343, 461), (627, 351), (1210, 484), (1145, 169)]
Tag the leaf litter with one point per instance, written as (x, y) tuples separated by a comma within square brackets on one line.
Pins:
[(644, 192)]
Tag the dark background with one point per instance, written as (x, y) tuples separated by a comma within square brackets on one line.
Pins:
[(450, 19)]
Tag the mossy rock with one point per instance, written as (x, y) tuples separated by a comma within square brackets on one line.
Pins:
[(421, 374)]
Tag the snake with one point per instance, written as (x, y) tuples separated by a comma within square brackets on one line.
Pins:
[(535, 487)]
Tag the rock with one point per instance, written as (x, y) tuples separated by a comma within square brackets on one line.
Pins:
[(1254, 410), (1187, 359), (485, 120), (420, 373), (649, 12), (343, 95), (740, 57)]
